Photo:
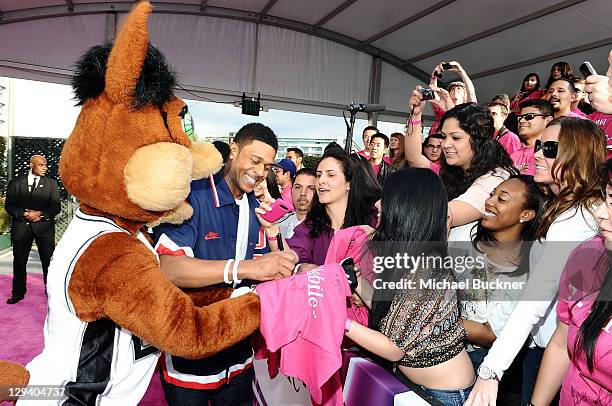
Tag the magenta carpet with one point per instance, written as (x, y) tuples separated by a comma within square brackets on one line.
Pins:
[(22, 330)]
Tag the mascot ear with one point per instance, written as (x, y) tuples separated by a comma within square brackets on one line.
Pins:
[(128, 55)]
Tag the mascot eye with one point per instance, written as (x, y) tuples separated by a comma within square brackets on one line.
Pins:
[(187, 121)]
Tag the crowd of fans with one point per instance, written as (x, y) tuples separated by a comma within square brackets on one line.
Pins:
[(523, 178)]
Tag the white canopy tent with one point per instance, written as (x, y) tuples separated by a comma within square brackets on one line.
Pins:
[(318, 55)]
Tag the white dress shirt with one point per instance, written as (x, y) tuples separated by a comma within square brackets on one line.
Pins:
[(31, 178)]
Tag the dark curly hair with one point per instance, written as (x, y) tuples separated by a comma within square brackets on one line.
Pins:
[(363, 194), (488, 153)]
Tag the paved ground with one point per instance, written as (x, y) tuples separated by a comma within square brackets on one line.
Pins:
[(6, 262)]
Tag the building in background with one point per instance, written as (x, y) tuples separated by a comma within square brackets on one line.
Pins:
[(310, 147)]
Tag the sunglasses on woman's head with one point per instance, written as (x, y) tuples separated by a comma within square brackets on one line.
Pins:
[(529, 116), (549, 148)]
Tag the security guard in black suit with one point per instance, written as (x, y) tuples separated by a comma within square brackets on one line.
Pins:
[(32, 201)]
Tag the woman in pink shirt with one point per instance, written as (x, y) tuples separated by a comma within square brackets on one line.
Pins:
[(579, 356), (530, 89)]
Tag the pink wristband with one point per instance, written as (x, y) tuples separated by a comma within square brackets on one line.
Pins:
[(415, 122), (347, 325), (273, 238)]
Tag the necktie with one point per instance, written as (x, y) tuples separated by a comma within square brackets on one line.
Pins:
[(33, 187)]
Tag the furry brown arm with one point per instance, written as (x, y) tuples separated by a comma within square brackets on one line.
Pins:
[(12, 375), (207, 296), (119, 278)]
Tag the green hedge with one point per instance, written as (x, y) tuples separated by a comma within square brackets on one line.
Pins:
[(311, 161), (4, 217)]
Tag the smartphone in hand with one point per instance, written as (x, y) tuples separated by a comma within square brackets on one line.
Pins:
[(446, 66), (348, 264), (279, 210), (587, 69)]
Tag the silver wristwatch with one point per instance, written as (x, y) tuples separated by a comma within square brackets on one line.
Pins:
[(487, 373)]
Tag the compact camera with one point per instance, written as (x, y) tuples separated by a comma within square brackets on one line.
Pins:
[(427, 93)]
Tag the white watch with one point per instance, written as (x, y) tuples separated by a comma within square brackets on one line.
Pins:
[(486, 373)]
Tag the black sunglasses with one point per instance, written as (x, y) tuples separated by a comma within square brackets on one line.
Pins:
[(549, 148), (529, 116)]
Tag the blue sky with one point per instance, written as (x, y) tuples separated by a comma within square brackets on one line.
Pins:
[(47, 110)]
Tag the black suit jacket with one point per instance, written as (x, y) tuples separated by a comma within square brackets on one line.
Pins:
[(45, 198)]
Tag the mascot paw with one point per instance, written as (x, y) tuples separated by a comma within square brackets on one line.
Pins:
[(12, 375)]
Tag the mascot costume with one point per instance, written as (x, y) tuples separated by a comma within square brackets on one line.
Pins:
[(130, 163)]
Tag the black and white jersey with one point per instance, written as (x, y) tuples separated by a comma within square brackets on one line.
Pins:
[(98, 363)]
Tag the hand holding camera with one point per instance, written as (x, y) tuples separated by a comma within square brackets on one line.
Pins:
[(415, 104), (451, 66), (427, 93)]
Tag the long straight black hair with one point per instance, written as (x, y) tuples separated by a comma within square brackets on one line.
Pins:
[(413, 221), (362, 196), (601, 311), (535, 200)]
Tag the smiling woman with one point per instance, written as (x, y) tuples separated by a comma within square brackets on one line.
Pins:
[(577, 359), (505, 236), (345, 197), (566, 159), (473, 163)]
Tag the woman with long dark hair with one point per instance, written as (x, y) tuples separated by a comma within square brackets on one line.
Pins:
[(345, 197), (504, 237), (567, 160), (473, 162), (396, 150), (578, 358), (530, 89), (559, 70), (417, 329)]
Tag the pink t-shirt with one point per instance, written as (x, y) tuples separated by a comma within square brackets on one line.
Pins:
[(582, 277), (303, 315), (536, 94), (436, 124), (353, 242), (376, 169), (523, 160), (435, 167), (605, 122), (286, 195), (576, 115), (367, 156), (578, 112), (509, 140)]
